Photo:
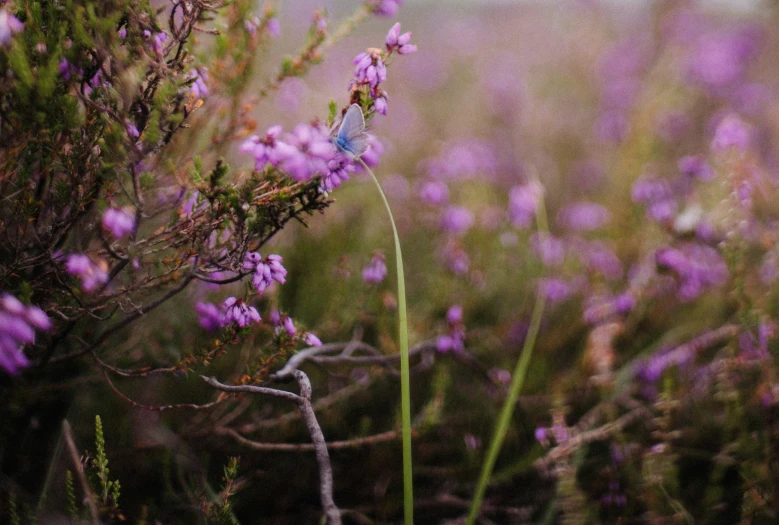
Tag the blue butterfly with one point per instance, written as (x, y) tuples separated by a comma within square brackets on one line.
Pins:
[(351, 138)]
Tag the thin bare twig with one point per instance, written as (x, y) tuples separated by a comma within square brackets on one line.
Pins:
[(303, 401), (82, 479)]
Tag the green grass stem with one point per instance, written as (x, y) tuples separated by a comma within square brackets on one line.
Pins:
[(405, 389)]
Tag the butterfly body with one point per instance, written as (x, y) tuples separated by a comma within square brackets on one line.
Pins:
[(351, 138)]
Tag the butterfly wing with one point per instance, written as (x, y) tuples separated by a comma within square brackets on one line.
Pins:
[(351, 135)]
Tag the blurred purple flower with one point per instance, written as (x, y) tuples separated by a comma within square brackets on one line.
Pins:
[(17, 328), (9, 25), (720, 58), (550, 249), (434, 192), (312, 340), (274, 27), (385, 7), (263, 149), (119, 222), (554, 289), (209, 316), (454, 315), (199, 87), (697, 266), (375, 271), (731, 132), (156, 41), (90, 274), (456, 220), (583, 216), (523, 201), (289, 326), (612, 126), (305, 152), (697, 167)]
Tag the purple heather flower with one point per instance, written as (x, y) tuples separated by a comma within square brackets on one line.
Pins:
[(600, 308), (91, 275), (697, 167), (67, 70), (449, 342), (289, 326), (455, 339), (380, 103), (647, 190), (720, 58), (598, 256), (397, 42), (305, 152), (274, 27), (456, 220), (523, 201), (456, 259), (583, 216), (472, 442), (238, 312), (550, 249), (369, 69), (769, 269), (157, 42), (210, 316), (454, 315), (731, 132), (374, 152), (338, 169), (199, 87), (262, 149), (119, 222), (385, 7), (312, 340), (555, 290), (265, 271), (9, 25), (541, 434), (698, 267), (17, 328), (251, 25), (122, 33), (132, 130), (434, 193), (375, 271), (612, 126)]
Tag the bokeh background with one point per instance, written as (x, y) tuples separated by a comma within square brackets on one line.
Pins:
[(651, 128)]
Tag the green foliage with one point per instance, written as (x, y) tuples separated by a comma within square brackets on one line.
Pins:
[(219, 511), (70, 493), (109, 490)]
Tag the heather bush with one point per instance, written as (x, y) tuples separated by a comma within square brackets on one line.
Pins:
[(200, 303)]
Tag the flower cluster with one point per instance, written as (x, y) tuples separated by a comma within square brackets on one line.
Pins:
[(238, 312), (455, 340), (400, 43), (376, 270), (199, 88), (92, 275), (17, 328), (9, 25), (119, 222), (698, 267), (265, 270)]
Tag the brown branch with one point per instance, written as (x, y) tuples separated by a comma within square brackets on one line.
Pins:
[(303, 401), (82, 479), (390, 435), (161, 408)]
